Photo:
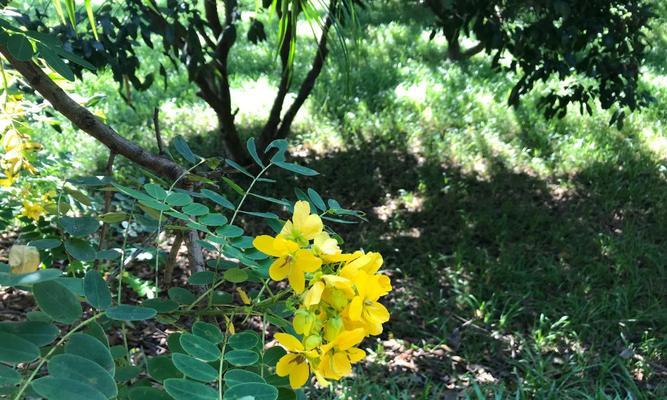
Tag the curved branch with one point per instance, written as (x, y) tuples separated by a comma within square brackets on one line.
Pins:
[(83, 119)]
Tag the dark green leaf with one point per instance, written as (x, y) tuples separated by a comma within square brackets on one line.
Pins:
[(71, 366), (20, 47), (239, 168), (230, 231), (181, 296), (178, 199), (236, 275), (132, 192), (148, 393), (9, 376), (252, 150), (91, 348), (125, 312), (57, 302), (155, 191), (45, 244), (14, 349), (80, 249), (127, 373), (183, 389), (161, 368), (218, 199), (208, 331), (241, 358), (96, 290), (195, 209), (79, 226), (193, 368), (183, 149), (201, 278), (298, 169), (215, 219), (199, 347), (255, 391), (55, 62), (243, 340), (32, 278), (238, 189), (239, 376), (161, 305), (316, 199), (65, 389), (37, 332)]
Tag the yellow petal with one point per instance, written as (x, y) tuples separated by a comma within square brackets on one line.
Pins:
[(298, 376), (376, 313), (296, 279), (310, 227), (341, 364), (284, 365), (351, 338), (289, 342), (356, 306), (301, 212), (337, 281), (321, 380), (314, 294), (356, 354), (307, 261), (279, 269), (265, 244)]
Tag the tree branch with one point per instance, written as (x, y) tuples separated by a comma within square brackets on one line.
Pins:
[(308, 83), (211, 10), (83, 119), (158, 131)]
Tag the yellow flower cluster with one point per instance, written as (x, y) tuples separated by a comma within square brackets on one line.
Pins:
[(15, 146), (338, 297)]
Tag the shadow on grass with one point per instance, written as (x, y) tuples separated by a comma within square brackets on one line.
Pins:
[(505, 267)]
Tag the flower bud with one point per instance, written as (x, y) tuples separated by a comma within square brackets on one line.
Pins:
[(23, 259), (312, 342), (303, 322), (332, 328), (338, 299)]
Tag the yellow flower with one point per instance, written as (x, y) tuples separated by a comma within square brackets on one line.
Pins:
[(295, 362), (303, 227), (32, 210), (23, 259), (339, 355), (292, 262), (305, 322), (364, 307)]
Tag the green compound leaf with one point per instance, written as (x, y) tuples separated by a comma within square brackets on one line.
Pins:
[(96, 290), (54, 388), (14, 349), (33, 278), (241, 358), (298, 169), (57, 302), (125, 312), (193, 368), (71, 366), (215, 219), (45, 244), (183, 389), (199, 347), (195, 209), (255, 391), (252, 150), (178, 199), (162, 306), (183, 149)]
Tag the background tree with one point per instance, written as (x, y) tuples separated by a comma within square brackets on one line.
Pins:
[(594, 48)]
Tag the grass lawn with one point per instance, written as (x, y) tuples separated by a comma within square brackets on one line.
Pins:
[(528, 256)]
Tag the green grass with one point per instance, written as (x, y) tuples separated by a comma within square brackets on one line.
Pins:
[(528, 256)]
